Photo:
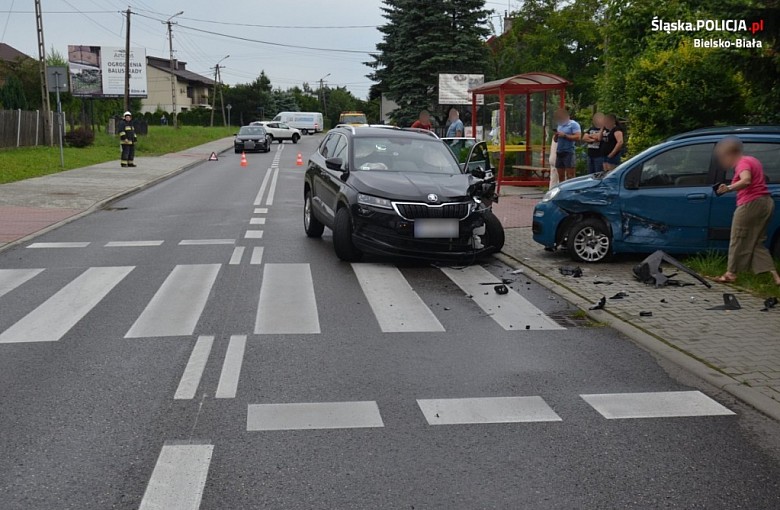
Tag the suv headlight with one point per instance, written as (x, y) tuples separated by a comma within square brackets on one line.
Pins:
[(551, 194), (372, 201)]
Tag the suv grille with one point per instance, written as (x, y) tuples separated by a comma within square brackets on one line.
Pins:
[(415, 210)]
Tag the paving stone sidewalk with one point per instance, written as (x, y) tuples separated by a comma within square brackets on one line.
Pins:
[(743, 344), (35, 205)]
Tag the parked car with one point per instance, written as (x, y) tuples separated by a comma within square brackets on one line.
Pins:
[(662, 198), (400, 192), (252, 138), (306, 122), (279, 131)]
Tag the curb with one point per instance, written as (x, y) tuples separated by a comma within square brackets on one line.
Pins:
[(655, 344), (97, 206)]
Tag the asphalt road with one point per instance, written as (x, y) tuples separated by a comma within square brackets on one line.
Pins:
[(171, 373)]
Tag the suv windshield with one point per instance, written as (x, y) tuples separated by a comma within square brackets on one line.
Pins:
[(399, 154), (251, 130)]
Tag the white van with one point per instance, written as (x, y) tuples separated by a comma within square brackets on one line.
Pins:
[(307, 122)]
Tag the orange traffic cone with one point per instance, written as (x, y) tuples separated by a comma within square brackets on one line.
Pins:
[(299, 161), (243, 159)]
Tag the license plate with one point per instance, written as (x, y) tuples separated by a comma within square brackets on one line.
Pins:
[(249, 145), (436, 228)]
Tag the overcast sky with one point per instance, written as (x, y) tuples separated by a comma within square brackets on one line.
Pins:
[(100, 24)]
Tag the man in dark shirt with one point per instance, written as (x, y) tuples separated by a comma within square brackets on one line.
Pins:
[(593, 137)]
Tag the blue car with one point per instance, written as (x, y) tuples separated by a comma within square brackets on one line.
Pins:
[(662, 198)]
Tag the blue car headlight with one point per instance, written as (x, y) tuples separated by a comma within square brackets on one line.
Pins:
[(551, 194), (373, 201)]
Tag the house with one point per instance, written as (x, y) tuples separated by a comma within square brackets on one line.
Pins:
[(10, 58), (192, 90)]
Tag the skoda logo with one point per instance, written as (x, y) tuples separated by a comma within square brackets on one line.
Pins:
[(433, 197)]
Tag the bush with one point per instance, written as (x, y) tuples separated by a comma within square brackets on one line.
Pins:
[(80, 137)]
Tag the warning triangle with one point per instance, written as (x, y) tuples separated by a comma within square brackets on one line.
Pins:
[(213, 157)]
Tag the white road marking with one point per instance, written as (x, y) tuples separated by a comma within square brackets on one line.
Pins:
[(511, 311), (12, 278), (57, 315), (253, 234), (259, 197), (238, 253), (272, 189), (132, 244), (176, 307), (325, 415), (396, 306), (205, 242), (287, 302), (178, 478), (190, 379), (59, 245), (231, 367), (461, 411), (257, 256), (663, 404), (261, 210), (257, 221)]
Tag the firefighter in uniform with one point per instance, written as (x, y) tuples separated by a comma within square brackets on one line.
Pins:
[(127, 139)]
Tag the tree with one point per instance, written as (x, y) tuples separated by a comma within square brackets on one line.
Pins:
[(676, 90), (12, 94), (421, 40)]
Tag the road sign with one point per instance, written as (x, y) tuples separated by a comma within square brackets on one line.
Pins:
[(58, 75)]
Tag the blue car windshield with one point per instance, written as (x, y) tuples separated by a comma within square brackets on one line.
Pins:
[(401, 154)]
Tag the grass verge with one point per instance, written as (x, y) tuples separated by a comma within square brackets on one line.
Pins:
[(713, 264), (26, 162)]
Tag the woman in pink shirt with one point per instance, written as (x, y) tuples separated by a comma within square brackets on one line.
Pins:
[(747, 248)]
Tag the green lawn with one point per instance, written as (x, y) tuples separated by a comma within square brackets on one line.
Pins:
[(713, 264), (25, 162)]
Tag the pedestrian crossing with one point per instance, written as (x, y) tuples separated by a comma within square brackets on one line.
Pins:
[(287, 303)]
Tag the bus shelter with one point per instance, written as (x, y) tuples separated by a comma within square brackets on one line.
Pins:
[(527, 174)]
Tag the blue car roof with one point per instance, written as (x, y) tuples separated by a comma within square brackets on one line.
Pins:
[(727, 130)]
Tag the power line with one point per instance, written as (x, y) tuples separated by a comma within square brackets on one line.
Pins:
[(333, 50), (6, 22), (236, 24)]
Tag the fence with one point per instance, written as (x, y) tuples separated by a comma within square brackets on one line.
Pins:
[(23, 129)]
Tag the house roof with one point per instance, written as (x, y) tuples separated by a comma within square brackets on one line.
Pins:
[(163, 64), (10, 54), (523, 84)]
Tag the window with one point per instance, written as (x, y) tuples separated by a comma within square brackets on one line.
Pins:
[(769, 156), (328, 147), (678, 167), (401, 154), (340, 151)]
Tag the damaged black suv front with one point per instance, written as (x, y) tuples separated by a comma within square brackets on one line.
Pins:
[(403, 194)]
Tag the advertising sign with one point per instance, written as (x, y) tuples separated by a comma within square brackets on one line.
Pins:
[(454, 88), (99, 71)]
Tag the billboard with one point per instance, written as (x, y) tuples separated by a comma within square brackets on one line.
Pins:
[(454, 88), (99, 71)]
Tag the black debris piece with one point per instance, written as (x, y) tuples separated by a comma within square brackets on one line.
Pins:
[(602, 282), (600, 305), (501, 290), (770, 303), (663, 301), (527, 326), (576, 272), (620, 295), (650, 271), (447, 308), (729, 303), (507, 281), (645, 314)]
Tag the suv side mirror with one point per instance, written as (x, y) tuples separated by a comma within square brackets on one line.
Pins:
[(335, 164)]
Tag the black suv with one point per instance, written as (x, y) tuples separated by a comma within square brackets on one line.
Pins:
[(400, 192)]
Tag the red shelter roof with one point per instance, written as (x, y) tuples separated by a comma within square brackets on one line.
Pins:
[(527, 83)]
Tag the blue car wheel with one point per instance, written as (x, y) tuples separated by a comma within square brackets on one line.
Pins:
[(590, 241)]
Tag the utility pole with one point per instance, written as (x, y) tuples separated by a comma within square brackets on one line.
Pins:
[(173, 66), (217, 83), (222, 100), (322, 93), (45, 103), (127, 62)]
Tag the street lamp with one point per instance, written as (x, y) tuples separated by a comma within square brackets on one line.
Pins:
[(229, 107)]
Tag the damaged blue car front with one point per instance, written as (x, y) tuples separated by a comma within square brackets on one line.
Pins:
[(663, 198)]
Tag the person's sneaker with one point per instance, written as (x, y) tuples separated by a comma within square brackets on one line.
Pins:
[(124, 165), (131, 165)]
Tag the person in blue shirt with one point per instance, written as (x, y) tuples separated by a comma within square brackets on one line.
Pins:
[(456, 125), (566, 135)]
